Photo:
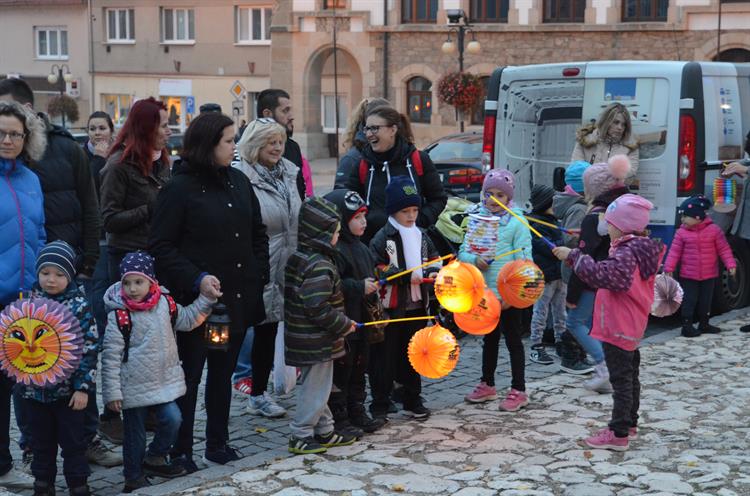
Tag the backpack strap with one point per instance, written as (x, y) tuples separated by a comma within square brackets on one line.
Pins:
[(172, 309), (122, 316), (416, 161), (362, 172)]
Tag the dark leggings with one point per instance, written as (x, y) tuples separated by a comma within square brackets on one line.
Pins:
[(698, 296), (262, 355), (510, 327), (623, 369)]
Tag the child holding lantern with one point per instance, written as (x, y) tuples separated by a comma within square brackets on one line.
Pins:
[(512, 235), (400, 245)]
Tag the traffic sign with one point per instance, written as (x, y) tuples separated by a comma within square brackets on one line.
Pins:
[(190, 104), (237, 90)]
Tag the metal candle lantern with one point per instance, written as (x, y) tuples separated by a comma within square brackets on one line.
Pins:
[(217, 328)]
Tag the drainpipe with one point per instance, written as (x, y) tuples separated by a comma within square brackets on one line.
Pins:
[(92, 72), (385, 50)]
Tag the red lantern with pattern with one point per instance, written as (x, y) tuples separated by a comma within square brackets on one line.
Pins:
[(520, 283), (459, 286), (483, 318)]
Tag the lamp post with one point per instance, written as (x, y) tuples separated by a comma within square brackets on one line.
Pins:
[(57, 75), (455, 18)]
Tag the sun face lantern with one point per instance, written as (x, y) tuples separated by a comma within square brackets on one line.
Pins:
[(433, 352), (483, 318), (520, 283), (459, 286), (217, 328), (41, 342)]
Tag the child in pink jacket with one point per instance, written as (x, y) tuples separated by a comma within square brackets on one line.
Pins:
[(697, 247), (625, 292)]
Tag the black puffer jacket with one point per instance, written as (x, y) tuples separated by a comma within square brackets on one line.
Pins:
[(71, 209), (383, 166), (542, 253)]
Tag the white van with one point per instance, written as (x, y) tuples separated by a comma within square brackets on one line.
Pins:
[(687, 116)]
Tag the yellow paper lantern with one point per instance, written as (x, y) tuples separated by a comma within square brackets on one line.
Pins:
[(433, 352), (483, 318), (459, 286), (520, 283)]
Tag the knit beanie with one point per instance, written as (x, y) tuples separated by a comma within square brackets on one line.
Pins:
[(60, 255), (501, 179), (602, 177), (574, 175), (629, 213), (349, 203), (695, 206), (541, 197), (400, 194), (138, 263)]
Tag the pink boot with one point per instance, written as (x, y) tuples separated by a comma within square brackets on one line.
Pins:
[(482, 393), (606, 439), (514, 401), (633, 433)]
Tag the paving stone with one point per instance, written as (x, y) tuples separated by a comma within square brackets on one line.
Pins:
[(328, 482)]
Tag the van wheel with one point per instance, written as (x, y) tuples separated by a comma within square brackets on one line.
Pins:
[(732, 292)]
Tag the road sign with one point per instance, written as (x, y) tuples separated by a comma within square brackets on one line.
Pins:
[(237, 90), (238, 107), (190, 104)]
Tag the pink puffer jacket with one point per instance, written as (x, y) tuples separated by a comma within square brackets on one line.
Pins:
[(697, 249)]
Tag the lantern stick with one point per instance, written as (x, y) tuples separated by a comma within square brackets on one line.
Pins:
[(498, 257), (390, 321), (554, 226), (511, 212), (409, 271)]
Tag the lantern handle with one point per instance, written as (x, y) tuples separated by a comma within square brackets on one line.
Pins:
[(390, 321), (498, 257), (518, 217), (383, 282)]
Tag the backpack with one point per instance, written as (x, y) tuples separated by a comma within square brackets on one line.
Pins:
[(124, 323), (416, 161)]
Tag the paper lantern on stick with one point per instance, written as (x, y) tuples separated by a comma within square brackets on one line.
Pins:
[(520, 283), (483, 318), (667, 296), (459, 286), (433, 352), (41, 342)]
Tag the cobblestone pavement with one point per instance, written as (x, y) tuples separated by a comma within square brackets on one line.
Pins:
[(694, 436)]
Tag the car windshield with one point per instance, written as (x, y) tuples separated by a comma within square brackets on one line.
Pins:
[(456, 150)]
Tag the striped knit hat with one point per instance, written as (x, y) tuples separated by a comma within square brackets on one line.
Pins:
[(60, 255)]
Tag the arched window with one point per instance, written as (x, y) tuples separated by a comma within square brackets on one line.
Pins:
[(419, 99), (477, 115)]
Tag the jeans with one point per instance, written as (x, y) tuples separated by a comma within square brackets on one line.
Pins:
[(95, 289), (510, 327), (579, 325), (6, 392), (168, 420), (698, 296), (264, 342), (114, 257), (312, 415), (553, 299), (244, 366), (218, 391), (56, 424), (22, 419), (623, 374)]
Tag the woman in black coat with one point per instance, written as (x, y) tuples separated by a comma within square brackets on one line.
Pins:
[(207, 232), (390, 152)]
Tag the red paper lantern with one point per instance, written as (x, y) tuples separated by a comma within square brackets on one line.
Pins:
[(483, 318), (433, 351), (520, 283), (459, 286)]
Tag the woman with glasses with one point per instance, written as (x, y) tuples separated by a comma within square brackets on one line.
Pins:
[(274, 181), (390, 152), (22, 139), (207, 235), (355, 138)]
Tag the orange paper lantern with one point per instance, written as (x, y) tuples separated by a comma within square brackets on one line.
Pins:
[(433, 351), (483, 318), (520, 283), (459, 286)]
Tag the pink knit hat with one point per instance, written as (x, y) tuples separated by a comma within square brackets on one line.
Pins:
[(501, 179), (629, 213), (602, 177)]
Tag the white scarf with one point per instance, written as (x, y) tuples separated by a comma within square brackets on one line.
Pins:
[(411, 239)]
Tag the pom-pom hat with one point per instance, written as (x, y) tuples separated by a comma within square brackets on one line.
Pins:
[(603, 177)]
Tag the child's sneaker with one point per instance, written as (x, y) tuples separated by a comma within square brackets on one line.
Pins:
[(576, 367), (632, 433), (539, 355), (305, 446), (482, 393), (335, 439), (514, 401), (160, 467), (606, 439), (265, 405), (244, 385), (221, 456), (417, 411), (134, 484)]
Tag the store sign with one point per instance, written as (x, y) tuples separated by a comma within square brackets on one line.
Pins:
[(175, 87)]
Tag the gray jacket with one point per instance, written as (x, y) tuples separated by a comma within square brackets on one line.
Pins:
[(153, 374), (741, 226), (570, 210), (280, 217)]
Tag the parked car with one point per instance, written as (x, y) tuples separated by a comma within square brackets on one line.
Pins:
[(81, 138), (174, 147), (458, 160)]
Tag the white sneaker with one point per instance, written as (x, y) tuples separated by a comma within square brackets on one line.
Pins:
[(14, 478), (265, 405), (600, 382)]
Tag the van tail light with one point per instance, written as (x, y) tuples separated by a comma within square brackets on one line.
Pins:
[(686, 169), (488, 143), (465, 176)]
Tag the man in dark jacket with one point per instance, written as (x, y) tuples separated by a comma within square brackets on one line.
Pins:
[(71, 208)]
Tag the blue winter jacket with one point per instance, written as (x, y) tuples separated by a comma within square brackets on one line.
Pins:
[(22, 232), (511, 235)]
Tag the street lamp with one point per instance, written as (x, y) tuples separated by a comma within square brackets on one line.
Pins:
[(455, 16), (56, 74)]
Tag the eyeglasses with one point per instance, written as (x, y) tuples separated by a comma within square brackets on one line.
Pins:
[(374, 129), (266, 120), (353, 201), (13, 135)]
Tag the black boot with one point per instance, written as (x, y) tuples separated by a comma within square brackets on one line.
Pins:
[(42, 488), (80, 491), (688, 331), (706, 328), (341, 423), (745, 328), (359, 418)]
